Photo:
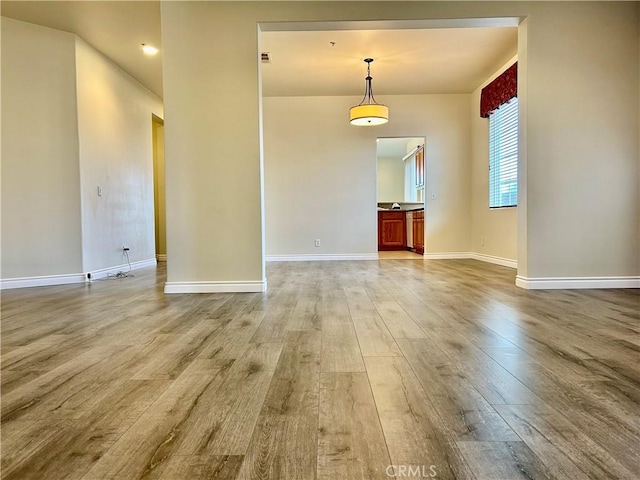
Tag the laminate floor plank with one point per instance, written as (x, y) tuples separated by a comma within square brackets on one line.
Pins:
[(340, 349), (230, 341), (413, 430), (218, 467), (305, 315), (351, 445), (504, 461), (465, 413), (342, 370), (86, 390), (373, 336), (77, 446), (613, 400), (27, 398), (21, 441), (294, 388), (420, 311), (223, 421), (550, 433), (282, 446), (614, 427), (275, 324), (494, 383), (399, 323), (142, 451), (358, 300)]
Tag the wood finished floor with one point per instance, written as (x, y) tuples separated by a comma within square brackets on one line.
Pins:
[(343, 370)]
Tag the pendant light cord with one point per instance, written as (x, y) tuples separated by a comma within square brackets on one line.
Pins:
[(368, 89)]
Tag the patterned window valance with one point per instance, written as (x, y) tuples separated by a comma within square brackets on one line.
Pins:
[(500, 91)]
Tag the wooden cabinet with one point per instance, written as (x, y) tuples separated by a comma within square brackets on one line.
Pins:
[(418, 231), (420, 167), (392, 230)]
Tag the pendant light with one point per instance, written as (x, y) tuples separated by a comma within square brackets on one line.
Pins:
[(368, 112)]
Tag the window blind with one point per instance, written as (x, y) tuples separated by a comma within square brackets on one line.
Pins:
[(503, 155)]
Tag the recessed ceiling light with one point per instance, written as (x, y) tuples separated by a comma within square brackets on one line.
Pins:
[(149, 50)]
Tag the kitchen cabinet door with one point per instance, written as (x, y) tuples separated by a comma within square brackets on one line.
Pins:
[(392, 230), (420, 167), (418, 231)]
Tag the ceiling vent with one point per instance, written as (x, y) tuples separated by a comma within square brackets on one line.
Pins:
[(266, 57)]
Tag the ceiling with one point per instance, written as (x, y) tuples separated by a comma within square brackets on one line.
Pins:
[(115, 28), (408, 61)]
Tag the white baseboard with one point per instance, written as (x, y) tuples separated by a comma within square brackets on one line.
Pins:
[(215, 287), (577, 282), (42, 281), (161, 257), (447, 256), (505, 262), (105, 272), (315, 257)]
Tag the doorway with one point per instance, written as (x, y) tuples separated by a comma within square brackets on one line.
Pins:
[(401, 183), (157, 129)]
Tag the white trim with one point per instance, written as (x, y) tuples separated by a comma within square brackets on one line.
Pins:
[(505, 262), (577, 282), (161, 257), (322, 257), (447, 256), (104, 272), (42, 281), (215, 287)]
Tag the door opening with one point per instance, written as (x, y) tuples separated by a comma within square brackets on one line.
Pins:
[(157, 128), (401, 173)]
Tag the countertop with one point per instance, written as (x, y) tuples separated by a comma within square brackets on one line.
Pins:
[(404, 206), (400, 209)]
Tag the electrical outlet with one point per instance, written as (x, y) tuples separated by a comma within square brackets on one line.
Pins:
[(317, 242), (482, 240)]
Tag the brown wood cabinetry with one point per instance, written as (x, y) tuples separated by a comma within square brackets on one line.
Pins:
[(420, 167), (392, 230), (418, 231)]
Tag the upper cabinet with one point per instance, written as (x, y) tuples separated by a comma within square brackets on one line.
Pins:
[(420, 168)]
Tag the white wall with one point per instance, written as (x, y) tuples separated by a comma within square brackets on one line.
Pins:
[(116, 153), (212, 147), (72, 121), (583, 204), (40, 172), (320, 175), (579, 206), (390, 179), (498, 227)]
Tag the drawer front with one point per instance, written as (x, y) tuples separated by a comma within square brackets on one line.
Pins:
[(392, 215)]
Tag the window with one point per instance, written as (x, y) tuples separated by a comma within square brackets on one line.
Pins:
[(503, 155)]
